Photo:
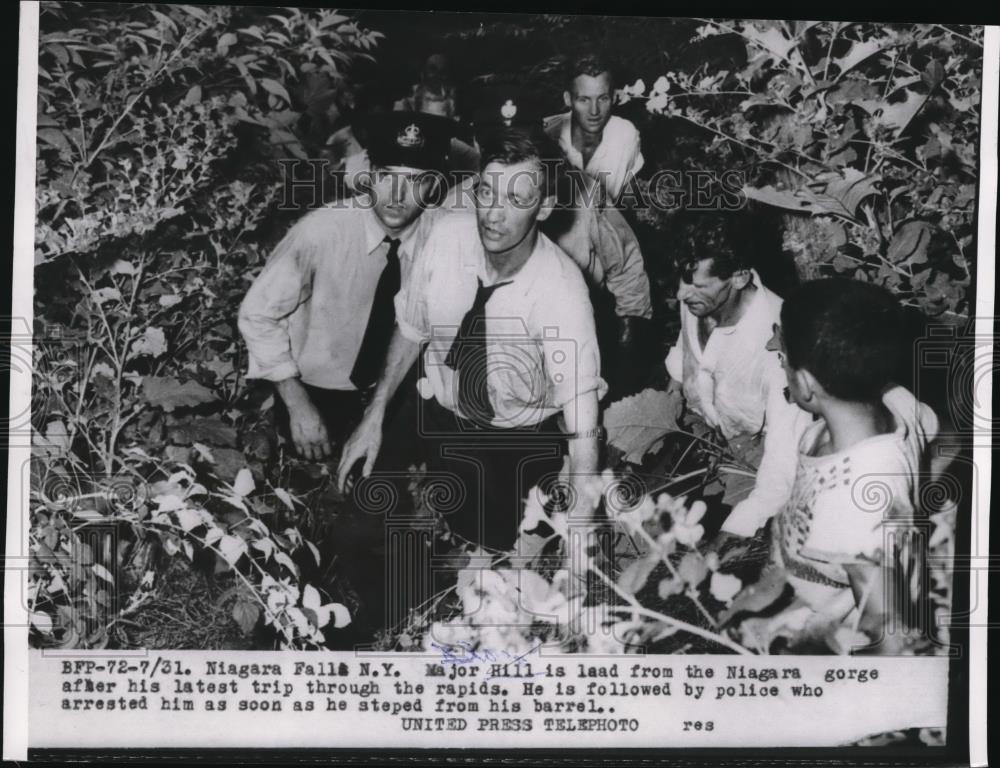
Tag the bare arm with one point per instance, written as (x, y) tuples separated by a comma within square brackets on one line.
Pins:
[(581, 418)]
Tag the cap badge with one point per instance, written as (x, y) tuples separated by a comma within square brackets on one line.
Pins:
[(411, 137), (508, 111)]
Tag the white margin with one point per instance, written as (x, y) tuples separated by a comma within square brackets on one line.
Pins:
[(15, 615), (982, 453), (15, 631)]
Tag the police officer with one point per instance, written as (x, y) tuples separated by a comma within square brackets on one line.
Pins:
[(318, 318), (502, 322)]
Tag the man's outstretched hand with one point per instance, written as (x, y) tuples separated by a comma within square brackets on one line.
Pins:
[(308, 431), (363, 444)]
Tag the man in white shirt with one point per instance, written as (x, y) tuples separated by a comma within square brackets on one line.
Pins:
[(596, 236), (721, 366), (318, 318), (511, 368), (603, 145)]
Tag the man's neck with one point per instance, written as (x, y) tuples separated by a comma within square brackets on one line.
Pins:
[(849, 423), (733, 311), (503, 266), (582, 140)]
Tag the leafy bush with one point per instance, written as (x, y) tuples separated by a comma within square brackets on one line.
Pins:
[(867, 132), (159, 128)]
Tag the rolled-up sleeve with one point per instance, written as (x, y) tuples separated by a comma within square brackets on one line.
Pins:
[(675, 359), (569, 345), (784, 424), (281, 288), (625, 272)]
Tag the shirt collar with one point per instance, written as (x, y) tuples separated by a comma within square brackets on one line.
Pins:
[(375, 235), (525, 277), (756, 313)]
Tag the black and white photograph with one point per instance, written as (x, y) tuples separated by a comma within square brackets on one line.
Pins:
[(607, 346)]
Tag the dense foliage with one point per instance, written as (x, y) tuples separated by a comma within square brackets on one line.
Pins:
[(160, 129)]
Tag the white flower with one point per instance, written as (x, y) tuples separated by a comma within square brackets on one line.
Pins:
[(724, 587)]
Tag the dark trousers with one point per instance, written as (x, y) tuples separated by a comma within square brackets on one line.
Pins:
[(477, 479), (341, 411), (624, 343)]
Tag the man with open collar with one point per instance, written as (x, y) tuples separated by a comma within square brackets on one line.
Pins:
[(511, 368), (603, 145), (595, 235)]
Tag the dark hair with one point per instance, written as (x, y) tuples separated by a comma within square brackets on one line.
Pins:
[(710, 236), (590, 64), (510, 146), (846, 333)]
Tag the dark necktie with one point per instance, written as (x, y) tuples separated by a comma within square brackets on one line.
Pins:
[(381, 321), (467, 357)]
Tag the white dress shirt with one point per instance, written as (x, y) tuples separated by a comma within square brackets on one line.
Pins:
[(306, 313), (616, 159), (541, 342)]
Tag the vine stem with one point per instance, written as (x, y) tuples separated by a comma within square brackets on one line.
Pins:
[(644, 534), (638, 610)]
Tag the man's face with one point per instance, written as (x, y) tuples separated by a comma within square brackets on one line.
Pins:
[(706, 294), (793, 391), (399, 194), (509, 203), (590, 99)]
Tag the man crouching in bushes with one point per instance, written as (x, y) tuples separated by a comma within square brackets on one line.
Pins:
[(723, 375)]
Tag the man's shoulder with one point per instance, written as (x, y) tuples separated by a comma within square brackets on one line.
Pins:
[(558, 267), (554, 124), (453, 224), (621, 129)]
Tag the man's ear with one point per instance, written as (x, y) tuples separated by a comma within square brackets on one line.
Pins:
[(548, 206), (807, 384), (742, 278), (567, 98)]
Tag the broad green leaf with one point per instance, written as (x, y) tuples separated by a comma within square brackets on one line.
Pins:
[(104, 295), (635, 575), (758, 596), (724, 587), (636, 424), (341, 616), (153, 343), (189, 518), (56, 138), (102, 573), (232, 548), (285, 560), (669, 587), (266, 546), (246, 613), (314, 550), (693, 569), (310, 597), (42, 622), (169, 393), (897, 116), (858, 52), (286, 498), (244, 485), (275, 88), (910, 242)]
